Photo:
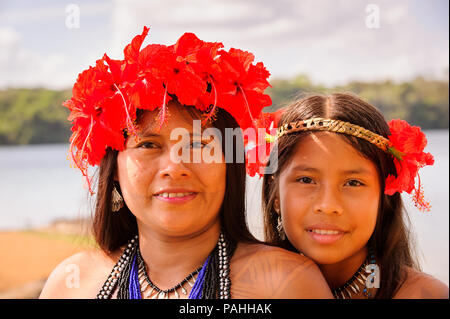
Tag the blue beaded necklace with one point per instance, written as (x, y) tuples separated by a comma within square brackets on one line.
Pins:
[(134, 287)]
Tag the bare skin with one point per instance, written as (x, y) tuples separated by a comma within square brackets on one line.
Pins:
[(257, 271), (328, 200), (419, 285), (176, 237)]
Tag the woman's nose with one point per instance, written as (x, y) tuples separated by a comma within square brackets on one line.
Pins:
[(328, 201), (173, 167)]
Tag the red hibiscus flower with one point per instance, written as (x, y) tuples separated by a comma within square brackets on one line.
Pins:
[(259, 148), (241, 85), (98, 116), (408, 143)]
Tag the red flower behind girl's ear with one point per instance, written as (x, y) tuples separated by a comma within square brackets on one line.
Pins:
[(408, 143)]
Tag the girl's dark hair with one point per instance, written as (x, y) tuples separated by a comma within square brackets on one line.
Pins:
[(113, 229), (391, 237)]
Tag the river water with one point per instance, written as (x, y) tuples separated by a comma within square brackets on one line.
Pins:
[(37, 186)]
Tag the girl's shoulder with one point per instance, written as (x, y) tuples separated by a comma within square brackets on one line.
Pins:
[(419, 285), (80, 276), (265, 272)]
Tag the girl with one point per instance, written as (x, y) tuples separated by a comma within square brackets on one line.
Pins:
[(335, 196)]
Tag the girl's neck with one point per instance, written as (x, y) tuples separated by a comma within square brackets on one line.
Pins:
[(339, 273), (170, 259)]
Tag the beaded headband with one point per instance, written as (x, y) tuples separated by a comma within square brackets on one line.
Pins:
[(405, 143), (337, 126)]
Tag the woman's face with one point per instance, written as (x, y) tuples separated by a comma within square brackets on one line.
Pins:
[(169, 197), (328, 197)]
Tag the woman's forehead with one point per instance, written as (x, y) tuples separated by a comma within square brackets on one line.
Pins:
[(174, 116)]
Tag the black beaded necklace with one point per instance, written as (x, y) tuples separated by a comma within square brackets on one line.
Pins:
[(146, 282)]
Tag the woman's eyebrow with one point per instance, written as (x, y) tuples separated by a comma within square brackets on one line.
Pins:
[(152, 134), (148, 134), (302, 167)]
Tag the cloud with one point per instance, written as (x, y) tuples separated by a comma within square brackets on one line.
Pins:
[(328, 40), (20, 67)]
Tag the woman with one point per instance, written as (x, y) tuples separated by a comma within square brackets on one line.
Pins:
[(168, 222), (336, 196)]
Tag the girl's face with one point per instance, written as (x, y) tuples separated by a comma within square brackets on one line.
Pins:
[(328, 197), (169, 197)]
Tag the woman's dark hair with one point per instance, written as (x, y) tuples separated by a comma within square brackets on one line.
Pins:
[(391, 237), (113, 229)]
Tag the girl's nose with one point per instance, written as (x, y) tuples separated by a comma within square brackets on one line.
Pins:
[(328, 201)]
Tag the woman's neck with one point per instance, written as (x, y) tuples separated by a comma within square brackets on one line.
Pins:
[(339, 273), (170, 259)]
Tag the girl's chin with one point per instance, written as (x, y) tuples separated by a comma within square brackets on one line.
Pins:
[(324, 256)]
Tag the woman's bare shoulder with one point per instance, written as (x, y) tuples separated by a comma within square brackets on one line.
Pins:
[(80, 275), (262, 271), (419, 285)]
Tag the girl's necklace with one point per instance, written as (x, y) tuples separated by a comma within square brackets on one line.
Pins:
[(351, 286)]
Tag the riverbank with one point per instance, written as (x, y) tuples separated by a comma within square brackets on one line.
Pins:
[(29, 256)]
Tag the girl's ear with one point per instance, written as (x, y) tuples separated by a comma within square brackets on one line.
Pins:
[(276, 205)]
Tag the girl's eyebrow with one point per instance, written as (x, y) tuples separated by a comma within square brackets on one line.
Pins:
[(358, 170)]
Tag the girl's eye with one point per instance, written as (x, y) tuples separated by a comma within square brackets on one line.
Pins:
[(305, 180), (354, 182)]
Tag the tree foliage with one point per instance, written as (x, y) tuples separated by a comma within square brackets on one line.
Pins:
[(32, 116), (420, 102)]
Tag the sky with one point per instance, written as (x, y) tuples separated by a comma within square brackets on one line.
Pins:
[(48, 43)]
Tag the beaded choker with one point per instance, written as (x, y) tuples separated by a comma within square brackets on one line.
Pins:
[(351, 286)]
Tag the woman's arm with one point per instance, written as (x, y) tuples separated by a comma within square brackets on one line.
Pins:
[(265, 272)]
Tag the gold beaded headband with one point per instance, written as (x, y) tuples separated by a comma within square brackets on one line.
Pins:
[(322, 124)]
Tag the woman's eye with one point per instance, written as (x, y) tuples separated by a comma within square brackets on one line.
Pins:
[(149, 145), (305, 180), (354, 182), (197, 145)]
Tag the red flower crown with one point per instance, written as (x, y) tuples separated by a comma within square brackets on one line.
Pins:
[(405, 144), (106, 96)]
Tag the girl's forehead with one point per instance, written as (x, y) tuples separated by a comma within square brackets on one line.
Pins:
[(327, 150)]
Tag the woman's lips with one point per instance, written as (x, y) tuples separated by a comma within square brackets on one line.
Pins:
[(175, 197)]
